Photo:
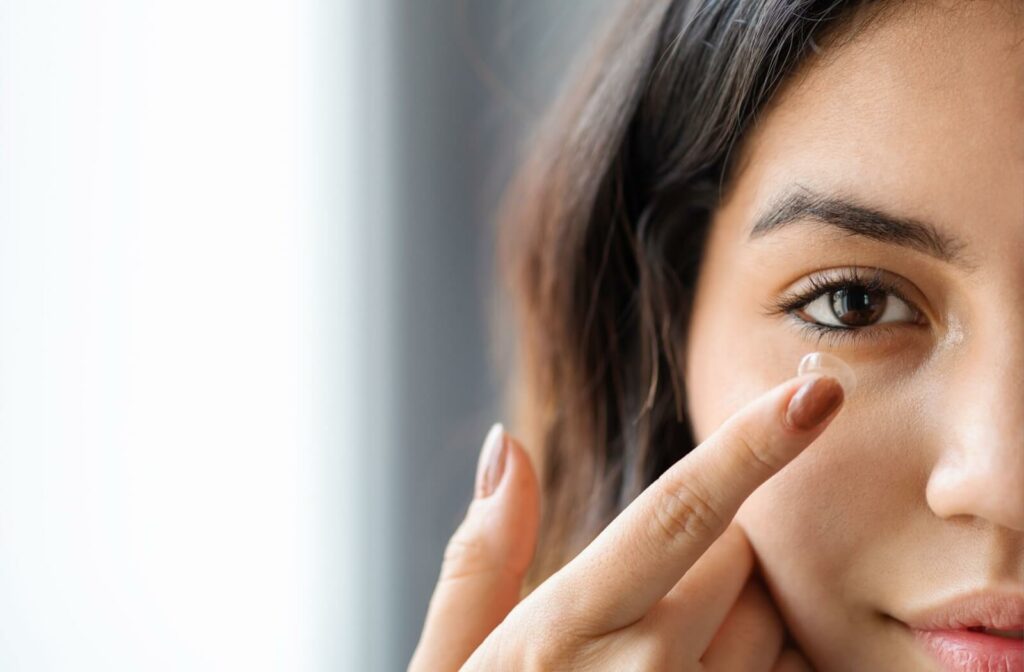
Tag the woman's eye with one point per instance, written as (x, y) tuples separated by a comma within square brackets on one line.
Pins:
[(852, 307)]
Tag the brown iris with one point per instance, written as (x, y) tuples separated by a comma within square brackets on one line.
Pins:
[(858, 306)]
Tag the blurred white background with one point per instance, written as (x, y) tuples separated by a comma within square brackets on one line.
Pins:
[(244, 361)]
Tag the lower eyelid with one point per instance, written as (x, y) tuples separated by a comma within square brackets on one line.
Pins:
[(837, 335), (818, 332)]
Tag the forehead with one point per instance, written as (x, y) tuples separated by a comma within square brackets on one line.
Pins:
[(920, 112)]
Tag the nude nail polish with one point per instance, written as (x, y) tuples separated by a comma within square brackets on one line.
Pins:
[(491, 463)]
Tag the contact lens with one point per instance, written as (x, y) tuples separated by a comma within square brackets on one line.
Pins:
[(822, 362)]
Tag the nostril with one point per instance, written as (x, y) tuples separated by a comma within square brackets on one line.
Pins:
[(976, 493)]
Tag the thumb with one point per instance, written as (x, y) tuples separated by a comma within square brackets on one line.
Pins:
[(486, 559)]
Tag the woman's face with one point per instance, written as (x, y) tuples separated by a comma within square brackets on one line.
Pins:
[(902, 151)]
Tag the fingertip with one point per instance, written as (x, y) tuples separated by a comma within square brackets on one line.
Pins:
[(514, 506), (484, 562), (521, 471), (490, 463), (814, 402), (504, 469)]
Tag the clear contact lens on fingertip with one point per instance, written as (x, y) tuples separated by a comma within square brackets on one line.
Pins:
[(823, 362)]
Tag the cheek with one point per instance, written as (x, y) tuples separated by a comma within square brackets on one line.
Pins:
[(731, 361), (823, 528), (826, 528)]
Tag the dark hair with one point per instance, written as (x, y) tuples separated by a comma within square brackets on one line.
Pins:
[(601, 236)]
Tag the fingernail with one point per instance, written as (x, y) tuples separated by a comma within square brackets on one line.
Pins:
[(813, 402), (822, 362), (491, 465)]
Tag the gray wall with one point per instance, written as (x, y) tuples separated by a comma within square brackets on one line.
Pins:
[(468, 79)]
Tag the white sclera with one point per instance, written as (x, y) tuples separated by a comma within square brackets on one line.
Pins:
[(822, 362)]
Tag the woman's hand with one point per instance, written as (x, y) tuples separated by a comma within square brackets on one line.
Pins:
[(665, 586)]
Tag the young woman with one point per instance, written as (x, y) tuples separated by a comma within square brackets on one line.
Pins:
[(728, 187)]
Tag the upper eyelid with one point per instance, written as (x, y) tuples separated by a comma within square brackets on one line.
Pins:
[(838, 277), (887, 286)]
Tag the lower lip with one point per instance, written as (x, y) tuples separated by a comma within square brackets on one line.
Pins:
[(968, 651)]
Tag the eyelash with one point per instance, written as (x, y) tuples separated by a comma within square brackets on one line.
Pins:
[(830, 282)]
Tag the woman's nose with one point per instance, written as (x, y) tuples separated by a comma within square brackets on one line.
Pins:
[(980, 471)]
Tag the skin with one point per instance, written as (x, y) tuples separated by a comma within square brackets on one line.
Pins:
[(916, 492), (907, 493)]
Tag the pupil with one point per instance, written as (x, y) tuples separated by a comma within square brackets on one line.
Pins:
[(857, 306)]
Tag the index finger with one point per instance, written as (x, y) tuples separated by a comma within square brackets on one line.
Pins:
[(643, 552)]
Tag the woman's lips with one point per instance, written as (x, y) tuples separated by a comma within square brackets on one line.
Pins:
[(978, 632), (970, 651)]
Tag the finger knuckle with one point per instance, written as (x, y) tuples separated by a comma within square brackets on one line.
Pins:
[(567, 608), (542, 647), (756, 452), (467, 554), (688, 513)]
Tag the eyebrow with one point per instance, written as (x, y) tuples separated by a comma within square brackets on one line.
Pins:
[(802, 204)]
